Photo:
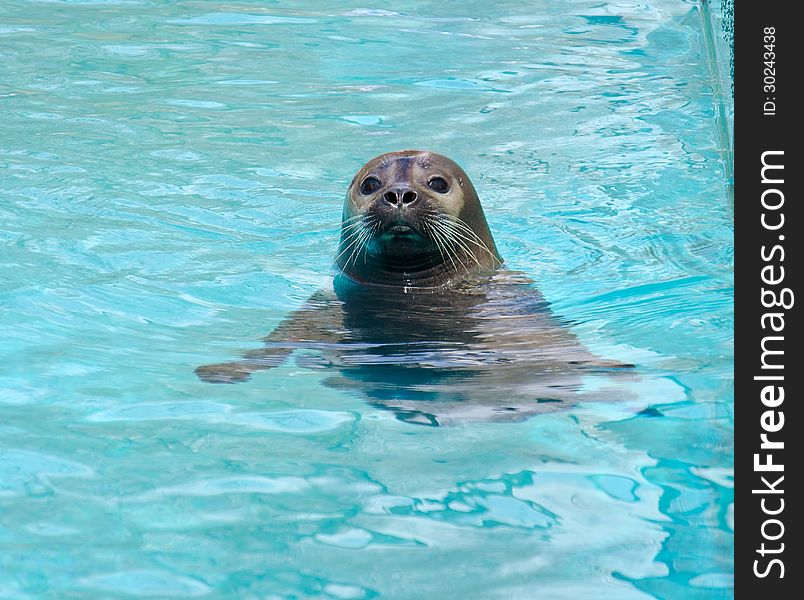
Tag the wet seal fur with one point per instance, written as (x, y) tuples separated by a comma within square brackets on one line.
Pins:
[(423, 320)]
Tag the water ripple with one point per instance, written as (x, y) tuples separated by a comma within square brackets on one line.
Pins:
[(171, 183)]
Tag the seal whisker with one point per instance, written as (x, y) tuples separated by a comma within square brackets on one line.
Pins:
[(363, 239), (453, 236), (352, 221), (436, 237), (354, 246), (459, 239), (352, 238), (353, 224), (449, 240), (361, 249), (373, 229), (350, 235), (466, 252), (349, 232), (461, 225)]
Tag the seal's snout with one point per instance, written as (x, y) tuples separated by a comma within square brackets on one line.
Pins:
[(400, 196)]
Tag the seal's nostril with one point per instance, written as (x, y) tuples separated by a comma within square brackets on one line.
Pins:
[(399, 197), (409, 197)]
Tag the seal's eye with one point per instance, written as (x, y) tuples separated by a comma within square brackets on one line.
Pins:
[(439, 184), (369, 185)]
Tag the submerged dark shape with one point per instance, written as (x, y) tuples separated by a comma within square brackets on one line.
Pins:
[(423, 320)]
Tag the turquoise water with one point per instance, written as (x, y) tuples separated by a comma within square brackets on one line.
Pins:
[(171, 179)]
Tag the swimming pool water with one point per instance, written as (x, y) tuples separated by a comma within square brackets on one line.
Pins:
[(171, 180)]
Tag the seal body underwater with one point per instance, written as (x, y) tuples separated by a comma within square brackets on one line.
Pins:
[(423, 319)]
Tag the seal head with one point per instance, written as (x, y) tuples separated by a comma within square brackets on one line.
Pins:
[(413, 219)]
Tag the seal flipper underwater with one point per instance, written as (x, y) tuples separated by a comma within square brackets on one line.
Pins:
[(423, 321), (313, 324)]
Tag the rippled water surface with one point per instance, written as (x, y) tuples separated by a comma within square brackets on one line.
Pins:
[(171, 180)]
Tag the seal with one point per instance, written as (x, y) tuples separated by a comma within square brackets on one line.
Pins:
[(423, 319)]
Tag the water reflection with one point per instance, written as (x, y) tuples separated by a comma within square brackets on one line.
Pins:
[(490, 350)]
